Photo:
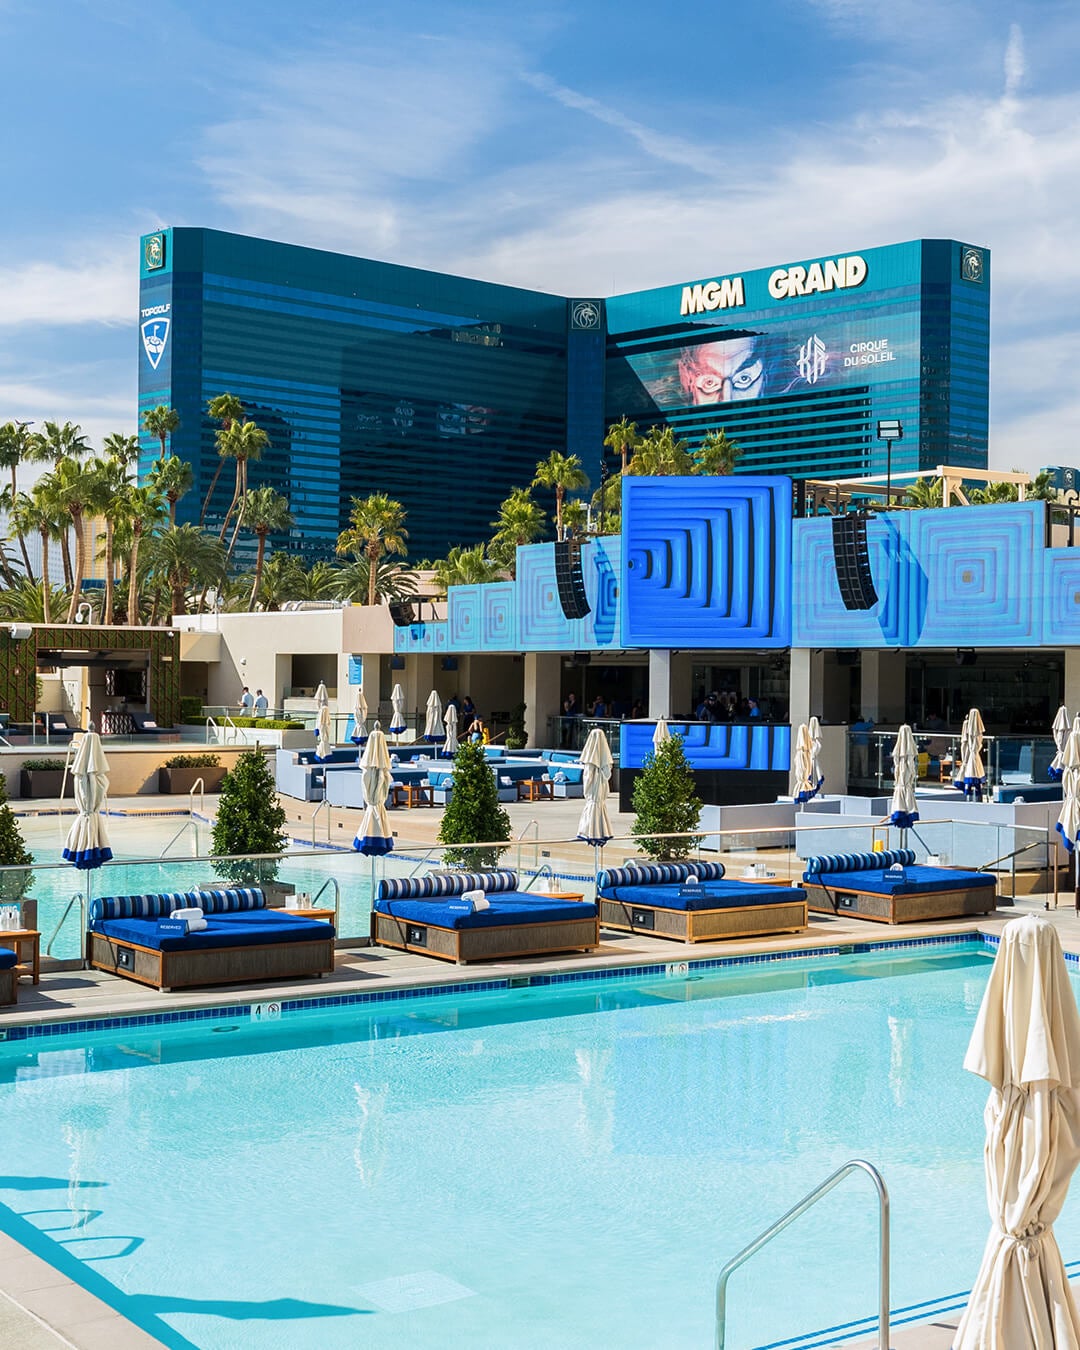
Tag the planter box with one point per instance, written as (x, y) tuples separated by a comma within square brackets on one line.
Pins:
[(174, 781), (40, 782)]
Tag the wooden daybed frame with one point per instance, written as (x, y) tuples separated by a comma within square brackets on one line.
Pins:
[(962, 903), (207, 966), (484, 944), (705, 925)]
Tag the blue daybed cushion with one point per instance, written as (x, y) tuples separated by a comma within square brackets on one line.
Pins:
[(7, 958), (508, 909), (858, 862), (718, 895), (244, 929), (658, 874), (917, 880)]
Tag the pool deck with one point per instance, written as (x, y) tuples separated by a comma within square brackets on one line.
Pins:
[(42, 1310)]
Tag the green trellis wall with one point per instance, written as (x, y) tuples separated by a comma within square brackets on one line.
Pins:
[(18, 664)]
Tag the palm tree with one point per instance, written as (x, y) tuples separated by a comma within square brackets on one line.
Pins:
[(161, 422), (319, 582), (173, 478), (575, 517), (520, 522), (37, 513), (146, 509), (924, 493), (264, 512), (55, 442), (661, 455), (393, 582), (466, 567), (561, 473), (226, 409), (376, 528), (716, 454), (240, 442), (623, 437), (183, 558), (79, 490), (14, 448), (30, 601), (124, 448), (115, 507)]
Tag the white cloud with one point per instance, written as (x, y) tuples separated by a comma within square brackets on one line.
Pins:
[(1014, 60), (103, 289)]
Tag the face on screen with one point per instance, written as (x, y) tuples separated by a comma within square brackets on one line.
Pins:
[(722, 372)]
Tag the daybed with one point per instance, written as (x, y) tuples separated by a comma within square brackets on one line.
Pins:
[(867, 886), (427, 915), (131, 935), (663, 899), (9, 976)]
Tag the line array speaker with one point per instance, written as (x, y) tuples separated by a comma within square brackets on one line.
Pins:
[(570, 579), (852, 558), (401, 616)]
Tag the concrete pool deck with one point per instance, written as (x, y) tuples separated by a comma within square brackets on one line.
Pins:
[(42, 1310)]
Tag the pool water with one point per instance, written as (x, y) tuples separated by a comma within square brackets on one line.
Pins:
[(550, 1168)]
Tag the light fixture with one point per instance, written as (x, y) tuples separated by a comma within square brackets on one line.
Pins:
[(20, 631)]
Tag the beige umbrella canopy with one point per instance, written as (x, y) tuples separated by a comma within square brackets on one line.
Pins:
[(1026, 1044), (803, 787)]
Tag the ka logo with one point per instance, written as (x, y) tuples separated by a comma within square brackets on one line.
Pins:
[(813, 358), (155, 334)]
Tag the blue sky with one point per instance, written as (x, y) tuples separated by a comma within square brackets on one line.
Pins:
[(589, 147)]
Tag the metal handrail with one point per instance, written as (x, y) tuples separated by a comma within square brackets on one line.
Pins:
[(211, 723), (199, 783), (190, 823), (534, 826), (330, 881), (77, 899), (319, 806), (856, 1164)]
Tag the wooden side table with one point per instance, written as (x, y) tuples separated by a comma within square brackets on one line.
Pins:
[(325, 915), (535, 790), (412, 794), (26, 943)]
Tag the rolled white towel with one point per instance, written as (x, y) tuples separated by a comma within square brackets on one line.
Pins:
[(194, 918), (478, 898), (692, 879)]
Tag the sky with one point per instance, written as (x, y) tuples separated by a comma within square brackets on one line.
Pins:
[(584, 147)]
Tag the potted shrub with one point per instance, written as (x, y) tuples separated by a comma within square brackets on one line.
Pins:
[(182, 772), (665, 801), (473, 814), (250, 819), (16, 878), (41, 778), (516, 736)]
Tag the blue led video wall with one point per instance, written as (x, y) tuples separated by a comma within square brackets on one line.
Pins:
[(714, 745), (708, 562), (525, 614)]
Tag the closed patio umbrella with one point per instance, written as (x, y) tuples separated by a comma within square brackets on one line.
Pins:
[(87, 843), (802, 787), (374, 836), (450, 745), (1026, 1044), (596, 761), (1068, 821), (324, 739), (905, 772), (971, 777), (1060, 730), (397, 711), (816, 776), (660, 734), (433, 728), (359, 731)]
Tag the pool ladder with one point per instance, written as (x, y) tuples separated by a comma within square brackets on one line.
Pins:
[(818, 1193)]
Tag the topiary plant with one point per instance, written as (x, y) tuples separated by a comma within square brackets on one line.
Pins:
[(13, 853), (250, 819), (473, 814), (516, 736), (665, 802)]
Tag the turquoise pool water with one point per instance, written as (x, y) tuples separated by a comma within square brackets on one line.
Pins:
[(551, 1168)]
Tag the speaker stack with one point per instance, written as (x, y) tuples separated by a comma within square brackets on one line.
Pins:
[(852, 557), (570, 580)]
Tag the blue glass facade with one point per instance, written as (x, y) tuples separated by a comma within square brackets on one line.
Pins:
[(445, 392), (799, 362)]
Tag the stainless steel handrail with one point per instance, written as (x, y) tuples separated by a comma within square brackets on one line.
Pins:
[(318, 807), (330, 881), (815, 1195), (77, 899), (190, 823)]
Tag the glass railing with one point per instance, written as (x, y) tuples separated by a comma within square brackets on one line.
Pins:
[(1012, 760)]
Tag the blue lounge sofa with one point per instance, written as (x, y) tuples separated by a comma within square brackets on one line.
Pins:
[(663, 900), (9, 976), (297, 773), (426, 915), (888, 887), (131, 935)]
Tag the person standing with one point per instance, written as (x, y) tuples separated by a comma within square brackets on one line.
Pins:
[(261, 704), (246, 702)]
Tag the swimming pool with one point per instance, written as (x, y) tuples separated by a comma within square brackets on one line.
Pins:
[(561, 1165)]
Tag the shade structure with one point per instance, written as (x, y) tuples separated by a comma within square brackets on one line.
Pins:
[(324, 736), (433, 727), (359, 731), (1026, 1044), (596, 761), (905, 773), (1060, 731), (660, 734), (816, 776), (802, 785), (397, 711), (971, 775), (373, 836), (1068, 821), (450, 745), (87, 843)]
